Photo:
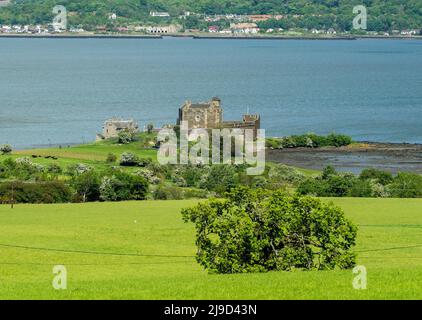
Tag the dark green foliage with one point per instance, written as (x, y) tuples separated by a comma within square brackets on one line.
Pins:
[(35, 192), (123, 186), (54, 168), (370, 183), (379, 176), (309, 140), (87, 186), (257, 231), (111, 158), (406, 185), (221, 178), (164, 192)]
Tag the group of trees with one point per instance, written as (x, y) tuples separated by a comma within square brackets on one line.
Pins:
[(370, 183), (309, 140), (383, 14), (29, 182)]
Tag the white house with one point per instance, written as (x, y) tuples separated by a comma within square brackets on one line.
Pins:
[(159, 14)]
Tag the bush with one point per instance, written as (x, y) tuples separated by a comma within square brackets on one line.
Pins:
[(281, 173), (164, 192), (111, 158), (6, 149), (54, 168), (122, 186), (35, 192), (312, 140), (126, 137), (258, 231), (80, 168), (129, 159), (221, 178), (148, 175), (406, 185), (144, 162), (87, 186), (379, 176)]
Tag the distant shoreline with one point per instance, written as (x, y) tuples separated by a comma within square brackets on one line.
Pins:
[(200, 36)]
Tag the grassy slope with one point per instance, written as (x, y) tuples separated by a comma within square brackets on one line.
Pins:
[(111, 227), (93, 154)]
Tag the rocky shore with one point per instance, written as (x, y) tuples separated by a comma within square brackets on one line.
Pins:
[(393, 157)]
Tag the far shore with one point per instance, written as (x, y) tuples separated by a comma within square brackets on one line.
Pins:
[(204, 36), (392, 157)]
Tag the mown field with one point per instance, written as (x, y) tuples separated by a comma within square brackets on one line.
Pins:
[(143, 250)]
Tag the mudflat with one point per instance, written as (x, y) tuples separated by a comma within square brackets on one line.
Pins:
[(392, 157)]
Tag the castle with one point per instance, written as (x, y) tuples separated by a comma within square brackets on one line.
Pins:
[(209, 115), (113, 127)]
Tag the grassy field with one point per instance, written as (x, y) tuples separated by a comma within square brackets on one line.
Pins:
[(143, 250)]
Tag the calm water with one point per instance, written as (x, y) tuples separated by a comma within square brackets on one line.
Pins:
[(58, 91)]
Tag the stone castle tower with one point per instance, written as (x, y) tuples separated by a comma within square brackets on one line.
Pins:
[(205, 115)]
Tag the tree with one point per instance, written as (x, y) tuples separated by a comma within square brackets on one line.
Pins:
[(379, 176), (6, 149), (150, 128), (123, 186), (406, 185), (258, 231), (221, 178), (87, 186)]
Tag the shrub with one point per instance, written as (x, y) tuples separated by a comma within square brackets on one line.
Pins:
[(150, 128), (122, 186), (54, 168), (259, 182), (148, 175), (125, 137), (312, 140), (362, 188), (80, 168), (281, 173), (87, 186), (164, 192), (36, 192), (339, 186), (221, 178), (406, 185), (313, 187), (129, 159), (273, 143), (379, 176), (6, 149), (144, 162), (111, 158), (258, 231), (338, 140)]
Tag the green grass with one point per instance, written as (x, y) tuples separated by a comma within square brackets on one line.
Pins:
[(93, 154), (156, 229)]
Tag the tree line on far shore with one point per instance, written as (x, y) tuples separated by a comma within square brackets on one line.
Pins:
[(383, 15)]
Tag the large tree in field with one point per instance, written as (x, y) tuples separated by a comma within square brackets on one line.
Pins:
[(258, 231)]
